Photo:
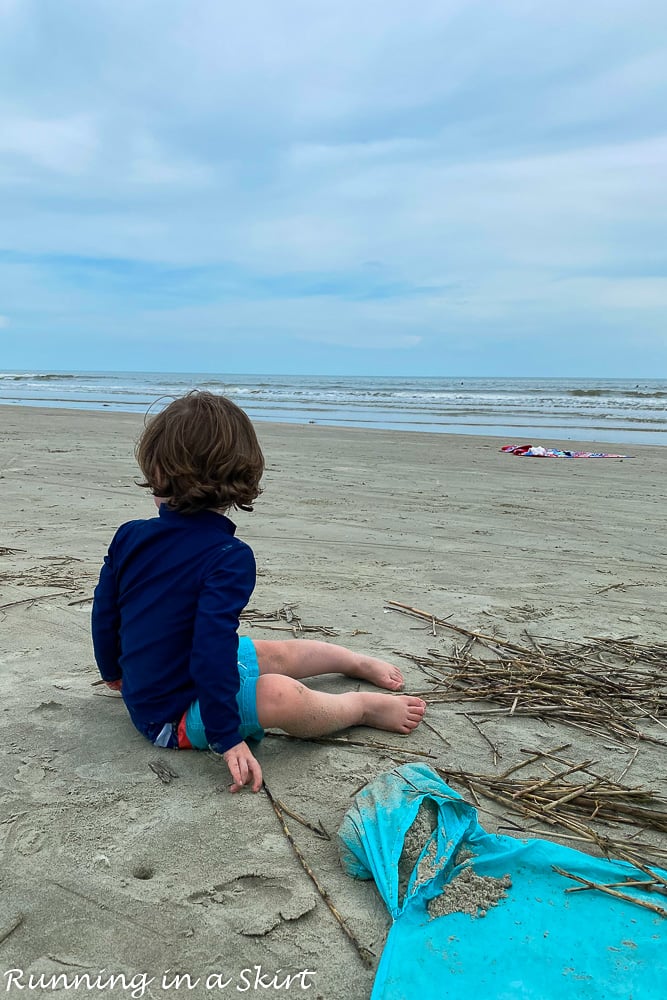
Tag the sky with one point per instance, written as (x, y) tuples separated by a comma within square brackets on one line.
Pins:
[(440, 187)]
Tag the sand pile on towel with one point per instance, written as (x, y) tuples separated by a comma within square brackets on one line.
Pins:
[(469, 893)]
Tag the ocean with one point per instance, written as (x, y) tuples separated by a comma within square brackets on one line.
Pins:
[(522, 410)]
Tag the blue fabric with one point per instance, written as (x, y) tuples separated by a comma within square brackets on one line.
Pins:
[(538, 943), (246, 701), (165, 619)]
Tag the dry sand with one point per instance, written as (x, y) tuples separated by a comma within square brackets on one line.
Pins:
[(112, 869)]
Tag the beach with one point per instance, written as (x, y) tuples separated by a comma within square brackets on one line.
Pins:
[(107, 867)]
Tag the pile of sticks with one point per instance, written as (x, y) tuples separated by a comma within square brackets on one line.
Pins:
[(570, 796), (557, 802), (283, 619), (603, 686)]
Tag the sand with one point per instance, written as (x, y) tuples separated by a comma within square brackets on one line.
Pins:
[(417, 836), (106, 867), (468, 892)]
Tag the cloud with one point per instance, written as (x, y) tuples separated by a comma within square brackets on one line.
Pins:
[(635, 295), (333, 174), (65, 145)]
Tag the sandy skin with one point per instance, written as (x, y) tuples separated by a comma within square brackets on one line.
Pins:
[(284, 703)]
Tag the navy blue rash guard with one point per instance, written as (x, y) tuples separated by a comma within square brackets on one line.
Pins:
[(166, 616)]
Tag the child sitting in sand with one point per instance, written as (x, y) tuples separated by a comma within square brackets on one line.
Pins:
[(166, 609)]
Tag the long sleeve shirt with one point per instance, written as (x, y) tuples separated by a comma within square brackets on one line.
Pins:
[(165, 620)]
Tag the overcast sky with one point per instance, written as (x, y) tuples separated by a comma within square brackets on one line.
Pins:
[(349, 187)]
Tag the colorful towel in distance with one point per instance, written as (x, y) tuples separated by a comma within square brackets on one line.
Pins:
[(537, 451), (488, 916)]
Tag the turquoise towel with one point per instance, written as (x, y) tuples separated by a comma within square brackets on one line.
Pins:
[(536, 943)]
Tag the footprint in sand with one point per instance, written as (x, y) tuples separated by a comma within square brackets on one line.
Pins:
[(27, 840), (29, 773), (48, 709), (280, 901)]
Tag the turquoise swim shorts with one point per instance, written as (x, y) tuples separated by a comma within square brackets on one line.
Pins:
[(246, 699)]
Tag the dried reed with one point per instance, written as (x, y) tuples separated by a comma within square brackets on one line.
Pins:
[(571, 804), (292, 622), (604, 686)]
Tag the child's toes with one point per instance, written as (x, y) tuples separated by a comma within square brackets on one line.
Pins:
[(417, 709), (380, 673), (396, 679)]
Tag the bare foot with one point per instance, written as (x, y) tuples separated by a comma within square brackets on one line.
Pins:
[(396, 715), (378, 672)]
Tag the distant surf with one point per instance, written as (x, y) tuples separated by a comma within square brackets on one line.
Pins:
[(521, 409)]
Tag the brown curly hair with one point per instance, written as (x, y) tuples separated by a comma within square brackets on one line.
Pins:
[(201, 452)]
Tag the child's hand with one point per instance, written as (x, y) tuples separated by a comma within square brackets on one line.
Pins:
[(243, 767), (114, 685)]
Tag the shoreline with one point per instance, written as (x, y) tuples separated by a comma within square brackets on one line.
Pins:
[(613, 411), (347, 522), (572, 444)]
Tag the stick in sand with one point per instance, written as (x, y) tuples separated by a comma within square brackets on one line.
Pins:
[(15, 923), (364, 953)]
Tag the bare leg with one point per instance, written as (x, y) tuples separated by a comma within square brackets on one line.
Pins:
[(284, 703), (301, 658)]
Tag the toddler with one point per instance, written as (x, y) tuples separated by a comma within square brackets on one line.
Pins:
[(166, 609)]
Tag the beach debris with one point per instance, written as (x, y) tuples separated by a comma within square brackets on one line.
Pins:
[(614, 586), (571, 797), (13, 925), (341, 741), (365, 954), (284, 619), (436, 732), (51, 571), (468, 892), (318, 830), (628, 765), (603, 686), (32, 600), (611, 890), (494, 749), (164, 771)]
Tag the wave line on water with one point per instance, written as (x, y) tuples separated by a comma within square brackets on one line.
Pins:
[(622, 410)]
